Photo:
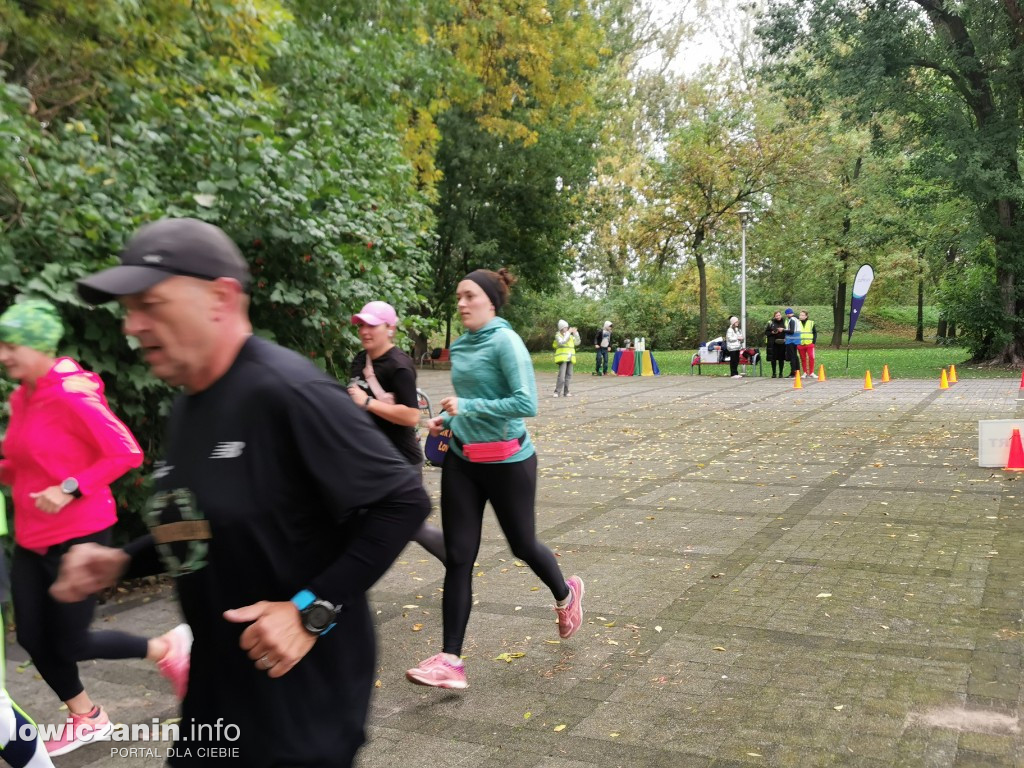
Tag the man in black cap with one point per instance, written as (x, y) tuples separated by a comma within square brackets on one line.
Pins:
[(277, 505)]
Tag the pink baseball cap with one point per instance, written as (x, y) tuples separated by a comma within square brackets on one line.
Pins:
[(376, 313)]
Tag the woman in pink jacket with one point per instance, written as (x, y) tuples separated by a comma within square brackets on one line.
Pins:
[(62, 449)]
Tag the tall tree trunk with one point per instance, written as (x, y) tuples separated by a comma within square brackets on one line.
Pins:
[(1008, 257), (702, 274), (420, 345), (947, 330), (920, 296), (839, 308), (839, 298)]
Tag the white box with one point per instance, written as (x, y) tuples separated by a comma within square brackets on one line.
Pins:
[(709, 356)]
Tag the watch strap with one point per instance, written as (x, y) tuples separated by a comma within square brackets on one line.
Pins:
[(75, 491), (305, 598)]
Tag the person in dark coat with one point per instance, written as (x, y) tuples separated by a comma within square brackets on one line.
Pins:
[(775, 343)]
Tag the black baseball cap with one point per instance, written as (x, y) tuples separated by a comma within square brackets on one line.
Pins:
[(165, 248)]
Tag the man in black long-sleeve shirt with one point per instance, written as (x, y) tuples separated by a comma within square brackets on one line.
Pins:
[(277, 505)]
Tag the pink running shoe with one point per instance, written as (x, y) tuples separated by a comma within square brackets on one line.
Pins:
[(79, 730), (176, 662), (570, 618), (438, 672)]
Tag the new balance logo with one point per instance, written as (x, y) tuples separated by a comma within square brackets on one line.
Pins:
[(228, 450), (161, 469)]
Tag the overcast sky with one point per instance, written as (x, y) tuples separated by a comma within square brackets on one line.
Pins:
[(705, 48)]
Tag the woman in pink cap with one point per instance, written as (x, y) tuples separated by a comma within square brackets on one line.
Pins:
[(383, 383)]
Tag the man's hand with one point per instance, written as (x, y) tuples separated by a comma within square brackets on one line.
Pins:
[(275, 640), (450, 405), (86, 569), (52, 500)]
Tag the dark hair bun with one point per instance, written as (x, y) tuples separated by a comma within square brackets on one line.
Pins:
[(507, 277)]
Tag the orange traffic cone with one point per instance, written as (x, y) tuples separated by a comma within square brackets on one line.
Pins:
[(867, 380), (821, 375), (952, 374), (943, 381), (1022, 379), (797, 384), (1015, 462), (885, 374)]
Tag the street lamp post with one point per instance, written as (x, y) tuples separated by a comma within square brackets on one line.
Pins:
[(744, 213)]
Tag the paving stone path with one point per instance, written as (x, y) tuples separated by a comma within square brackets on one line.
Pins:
[(775, 577)]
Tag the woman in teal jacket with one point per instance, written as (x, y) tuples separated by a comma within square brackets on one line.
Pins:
[(490, 458)]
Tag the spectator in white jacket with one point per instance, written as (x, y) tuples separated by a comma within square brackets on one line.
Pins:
[(733, 345)]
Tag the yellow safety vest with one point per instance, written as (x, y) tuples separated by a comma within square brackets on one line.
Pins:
[(565, 353), (807, 332)]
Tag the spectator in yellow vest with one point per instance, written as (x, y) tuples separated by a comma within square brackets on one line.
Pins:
[(565, 343), (808, 338)]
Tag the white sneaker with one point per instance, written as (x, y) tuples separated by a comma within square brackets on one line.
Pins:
[(556, 394), (567, 395), (812, 375), (737, 376)]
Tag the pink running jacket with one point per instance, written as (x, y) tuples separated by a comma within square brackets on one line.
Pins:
[(64, 429)]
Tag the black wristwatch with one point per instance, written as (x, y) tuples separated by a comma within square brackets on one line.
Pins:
[(70, 487), (318, 616)]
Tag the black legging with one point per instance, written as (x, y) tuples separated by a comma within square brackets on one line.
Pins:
[(734, 362), (465, 490), (56, 635)]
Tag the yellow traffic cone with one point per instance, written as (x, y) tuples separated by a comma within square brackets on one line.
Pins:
[(885, 374), (797, 384), (821, 374), (943, 382), (867, 380), (952, 374)]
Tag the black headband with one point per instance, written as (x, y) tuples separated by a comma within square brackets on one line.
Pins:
[(489, 286)]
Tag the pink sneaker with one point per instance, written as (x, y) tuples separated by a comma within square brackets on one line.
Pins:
[(438, 672), (175, 663), (570, 618), (79, 730)]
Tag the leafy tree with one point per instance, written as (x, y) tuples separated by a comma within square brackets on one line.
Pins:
[(503, 204), (728, 149), (950, 77), (225, 118), (516, 140)]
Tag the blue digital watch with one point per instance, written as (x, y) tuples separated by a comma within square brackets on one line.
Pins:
[(318, 616)]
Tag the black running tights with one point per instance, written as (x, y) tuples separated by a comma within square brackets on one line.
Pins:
[(56, 635), (465, 490)]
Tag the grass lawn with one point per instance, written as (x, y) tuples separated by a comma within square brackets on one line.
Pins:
[(921, 362)]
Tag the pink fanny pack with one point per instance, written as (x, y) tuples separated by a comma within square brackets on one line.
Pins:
[(489, 452)]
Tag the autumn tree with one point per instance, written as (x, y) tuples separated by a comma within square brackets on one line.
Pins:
[(951, 77)]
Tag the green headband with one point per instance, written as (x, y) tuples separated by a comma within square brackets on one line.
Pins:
[(32, 323)]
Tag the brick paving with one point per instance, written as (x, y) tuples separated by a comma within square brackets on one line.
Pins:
[(775, 577)]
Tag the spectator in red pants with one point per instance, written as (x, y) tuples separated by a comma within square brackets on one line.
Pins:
[(808, 338)]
